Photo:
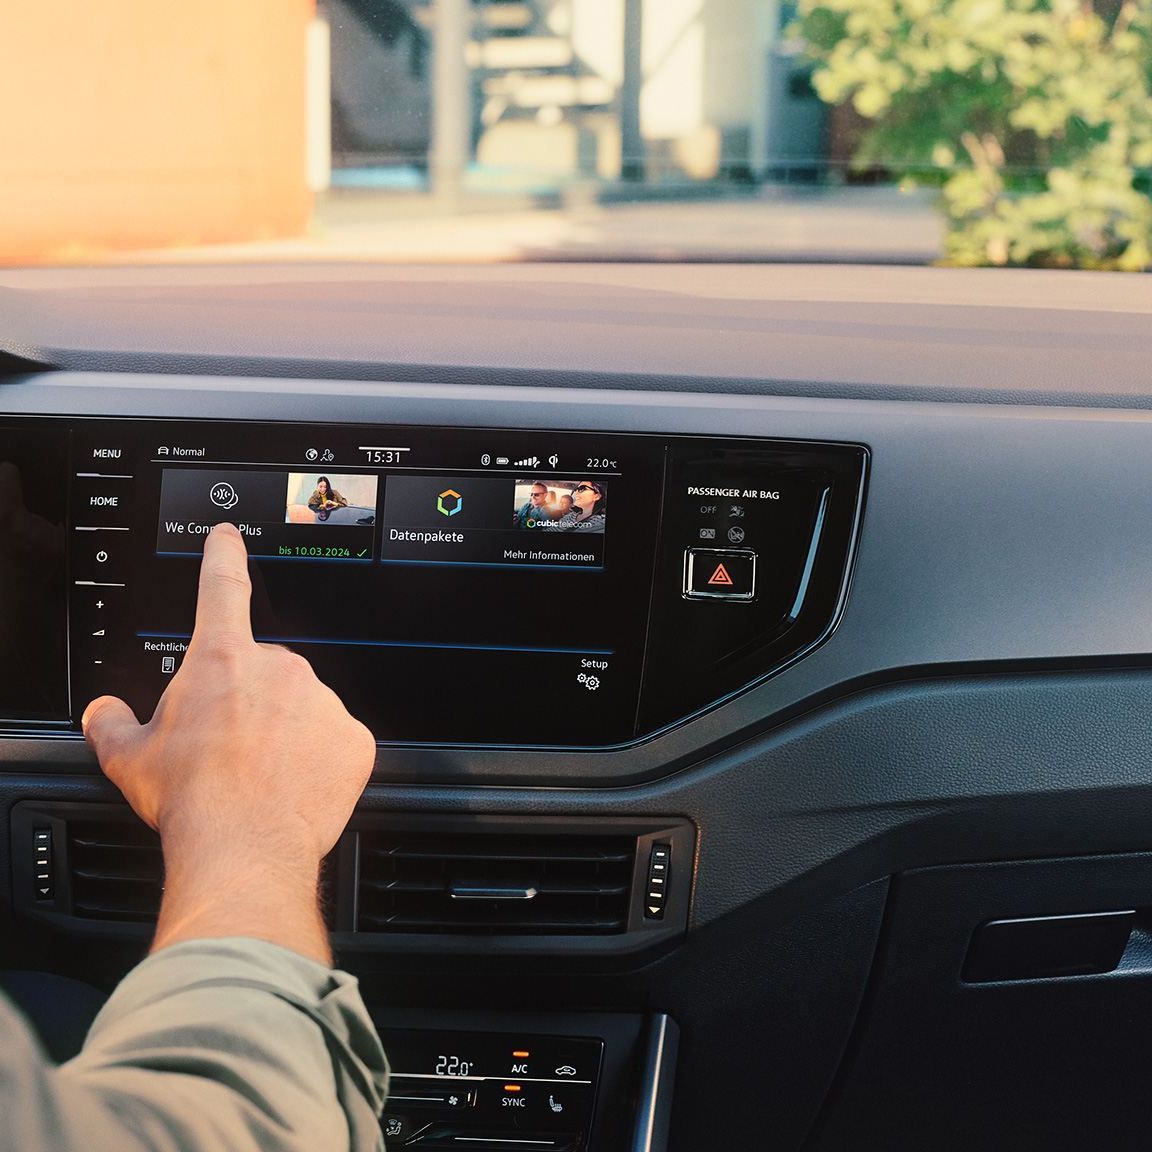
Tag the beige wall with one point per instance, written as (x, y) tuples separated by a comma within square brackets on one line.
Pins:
[(704, 101), (145, 123)]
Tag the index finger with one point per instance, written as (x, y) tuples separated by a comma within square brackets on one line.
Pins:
[(224, 602)]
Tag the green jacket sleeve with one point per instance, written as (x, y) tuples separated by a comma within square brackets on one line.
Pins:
[(213, 1044)]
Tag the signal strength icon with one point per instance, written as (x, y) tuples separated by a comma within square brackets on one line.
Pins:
[(528, 462)]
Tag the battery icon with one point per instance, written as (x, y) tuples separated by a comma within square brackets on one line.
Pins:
[(502, 460)]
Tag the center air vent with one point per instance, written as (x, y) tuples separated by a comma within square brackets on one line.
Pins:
[(115, 870), (483, 882)]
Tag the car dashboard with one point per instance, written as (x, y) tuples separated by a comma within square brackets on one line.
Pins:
[(782, 631)]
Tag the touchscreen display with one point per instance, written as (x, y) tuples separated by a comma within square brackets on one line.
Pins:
[(452, 586)]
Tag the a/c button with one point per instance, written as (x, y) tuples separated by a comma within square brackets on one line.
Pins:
[(719, 574)]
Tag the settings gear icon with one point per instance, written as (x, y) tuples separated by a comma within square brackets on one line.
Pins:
[(589, 682)]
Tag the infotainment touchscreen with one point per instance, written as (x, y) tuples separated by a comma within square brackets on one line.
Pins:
[(450, 585)]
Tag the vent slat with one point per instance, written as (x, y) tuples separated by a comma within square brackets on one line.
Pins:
[(111, 845), (114, 875), (581, 884), (405, 885), (566, 855), (543, 889), (518, 927), (93, 911)]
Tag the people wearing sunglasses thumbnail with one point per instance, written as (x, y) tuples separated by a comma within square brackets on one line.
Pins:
[(589, 510), (535, 509)]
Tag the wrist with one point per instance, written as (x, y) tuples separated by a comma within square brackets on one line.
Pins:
[(221, 883), (264, 843)]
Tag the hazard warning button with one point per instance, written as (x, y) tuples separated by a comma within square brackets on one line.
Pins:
[(719, 574)]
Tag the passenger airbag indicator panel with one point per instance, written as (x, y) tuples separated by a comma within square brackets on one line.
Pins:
[(756, 545)]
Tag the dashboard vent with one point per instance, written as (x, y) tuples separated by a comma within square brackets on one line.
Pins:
[(404, 883), (115, 870), (494, 884)]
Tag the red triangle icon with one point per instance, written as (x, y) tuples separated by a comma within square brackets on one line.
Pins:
[(720, 576)]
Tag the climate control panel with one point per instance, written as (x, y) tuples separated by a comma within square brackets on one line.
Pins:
[(453, 1090)]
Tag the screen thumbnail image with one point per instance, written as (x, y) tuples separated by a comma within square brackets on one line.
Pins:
[(545, 505), (330, 498)]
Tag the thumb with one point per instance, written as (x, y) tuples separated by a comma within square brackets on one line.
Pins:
[(111, 727)]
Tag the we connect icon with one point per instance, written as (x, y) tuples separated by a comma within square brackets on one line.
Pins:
[(449, 502)]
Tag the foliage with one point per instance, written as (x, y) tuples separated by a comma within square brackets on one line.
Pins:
[(1037, 113)]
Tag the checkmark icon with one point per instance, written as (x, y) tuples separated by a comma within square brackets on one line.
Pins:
[(361, 555)]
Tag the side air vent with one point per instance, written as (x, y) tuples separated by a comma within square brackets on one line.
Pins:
[(484, 883), (115, 870)]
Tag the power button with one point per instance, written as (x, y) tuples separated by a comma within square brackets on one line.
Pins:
[(719, 574)]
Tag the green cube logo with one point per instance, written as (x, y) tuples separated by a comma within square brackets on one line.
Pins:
[(449, 502)]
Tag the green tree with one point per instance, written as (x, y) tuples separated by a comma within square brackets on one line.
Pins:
[(1035, 114)]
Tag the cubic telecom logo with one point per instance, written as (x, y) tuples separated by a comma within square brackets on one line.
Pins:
[(449, 502)]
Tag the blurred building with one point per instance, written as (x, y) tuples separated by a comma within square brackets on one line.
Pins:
[(564, 90)]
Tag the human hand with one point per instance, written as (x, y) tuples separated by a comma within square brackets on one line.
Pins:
[(249, 764)]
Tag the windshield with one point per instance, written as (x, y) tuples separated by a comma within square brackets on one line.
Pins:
[(962, 132)]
